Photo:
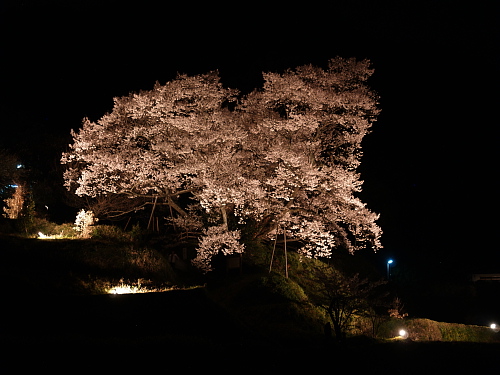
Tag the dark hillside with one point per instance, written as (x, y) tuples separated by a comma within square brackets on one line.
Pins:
[(76, 266), (255, 322)]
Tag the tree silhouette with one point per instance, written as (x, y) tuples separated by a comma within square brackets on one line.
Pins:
[(345, 296)]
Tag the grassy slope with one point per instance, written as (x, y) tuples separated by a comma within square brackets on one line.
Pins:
[(75, 266), (266, 304), (256, 321)]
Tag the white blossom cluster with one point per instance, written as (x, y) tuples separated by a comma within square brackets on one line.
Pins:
[(319, 242), (84, 222), (215, 240)]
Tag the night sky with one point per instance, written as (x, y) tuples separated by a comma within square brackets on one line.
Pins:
[(430, 164)]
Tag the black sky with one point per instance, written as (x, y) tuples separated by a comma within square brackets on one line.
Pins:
[(430, 164)]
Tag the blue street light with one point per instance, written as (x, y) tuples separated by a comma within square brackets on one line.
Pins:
[(389, 262)]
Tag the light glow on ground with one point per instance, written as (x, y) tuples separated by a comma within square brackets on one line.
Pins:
[(139, 287), (44, 237), (125, 289)]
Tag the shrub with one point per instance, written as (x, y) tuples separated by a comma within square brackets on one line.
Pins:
[(257, 255), (110, 233), (84, 223), (284, 287), (42, 228), (423, 330), (361, 325), (417, 329), (369, 324), (125, 260), (390, 328), (467, 333), (147, 261)]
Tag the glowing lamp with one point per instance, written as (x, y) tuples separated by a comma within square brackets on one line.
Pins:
[(493, 326), (403, 333)]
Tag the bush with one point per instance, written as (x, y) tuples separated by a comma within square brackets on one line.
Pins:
[(429, 330), (66, 230), (43, 227), (368, 325), (147, 261), (390, 328), (283, 287), (110, 233), (423, 330), (467, 333), (257, 255), (124, 260), (417, 329)]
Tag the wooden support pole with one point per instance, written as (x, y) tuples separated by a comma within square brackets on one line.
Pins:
[(274, 249), (151, 218), (286, 255)]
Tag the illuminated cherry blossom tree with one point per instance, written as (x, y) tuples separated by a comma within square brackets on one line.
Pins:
[(310, 123), (14, 206), (284, 156), (84, 222)]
